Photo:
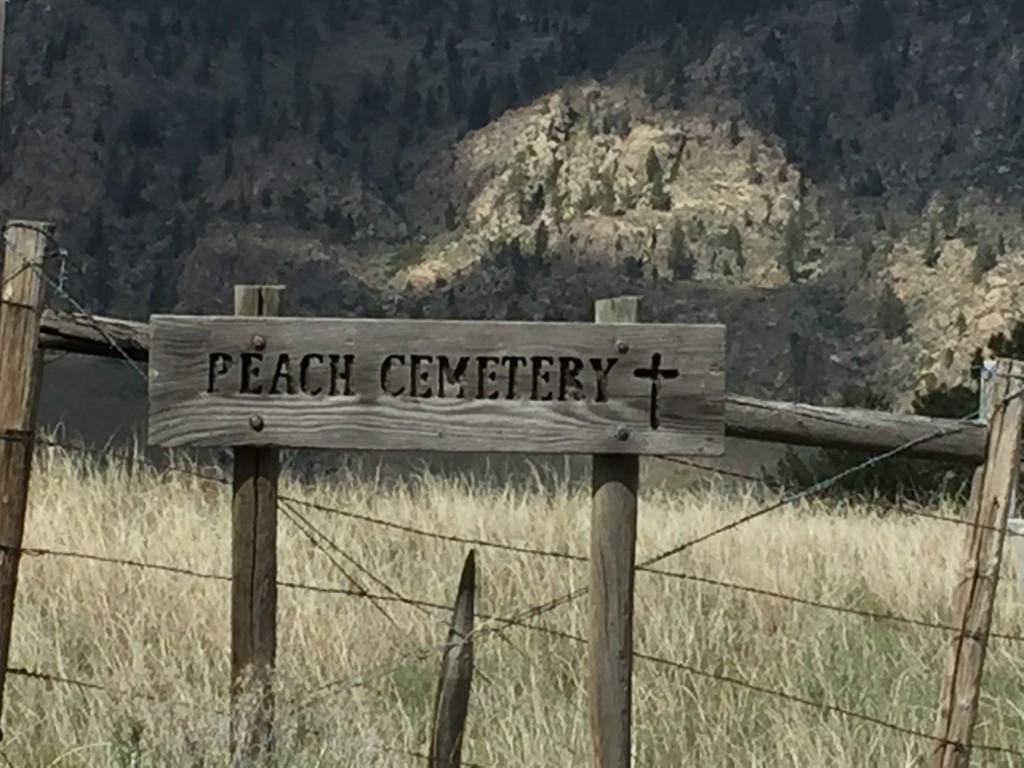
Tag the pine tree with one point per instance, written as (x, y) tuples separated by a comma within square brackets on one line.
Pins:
[(478, 113), (883, 83), (653, 166), (873, 25), (892, 314), (839, 30), (463, 15), (98, 251), (188, 177), (456, 91), (451, 219), (680, 259), (931, 248), (660, 200), (984, 260), (540, 240), (732, 239), (793, 245), (229, 162)]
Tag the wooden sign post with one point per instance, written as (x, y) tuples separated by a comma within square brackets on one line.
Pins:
[(615, 389), (254, 571), (616, 482)]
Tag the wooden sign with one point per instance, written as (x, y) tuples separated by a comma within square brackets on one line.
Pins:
[(437, 385)]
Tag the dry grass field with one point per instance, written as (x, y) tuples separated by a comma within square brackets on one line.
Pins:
[(161, 639)]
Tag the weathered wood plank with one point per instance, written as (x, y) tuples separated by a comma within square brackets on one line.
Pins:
[(20, 373), (974, 595), (613, 521), (750, 418), (94, 336), (254, 573), (438, 385), (853, 429)]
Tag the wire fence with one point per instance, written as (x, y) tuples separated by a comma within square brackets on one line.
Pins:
[(361, 583)]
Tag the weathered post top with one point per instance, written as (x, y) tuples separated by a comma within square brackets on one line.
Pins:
[(440, 385)]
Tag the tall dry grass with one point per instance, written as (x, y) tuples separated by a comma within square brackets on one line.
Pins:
[(162, 639)]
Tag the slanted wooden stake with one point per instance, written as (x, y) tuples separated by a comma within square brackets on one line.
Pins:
[(20, 310), (451, 705), (974, 596), (254, 566), (612, 559)]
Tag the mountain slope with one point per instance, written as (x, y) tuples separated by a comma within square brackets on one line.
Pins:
[(840, 183)]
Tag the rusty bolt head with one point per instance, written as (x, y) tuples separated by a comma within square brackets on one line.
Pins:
[(256, 422), (621, 432), (622, 346), (259, 342)]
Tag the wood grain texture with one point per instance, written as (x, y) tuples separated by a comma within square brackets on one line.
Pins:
[(92, 336), (974, 596), (451, 704), (854, 429), (511, 416), (20, 375), (745, 417), (254, 574), (613, 522)]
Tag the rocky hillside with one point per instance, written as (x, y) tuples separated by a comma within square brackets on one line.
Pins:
[(838, 182)]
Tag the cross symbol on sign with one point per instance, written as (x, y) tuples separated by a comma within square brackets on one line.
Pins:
[(655, 373)]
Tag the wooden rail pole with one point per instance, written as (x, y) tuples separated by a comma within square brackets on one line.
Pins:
[(974, 596), (612, 559), (20, 369), (254, 567)]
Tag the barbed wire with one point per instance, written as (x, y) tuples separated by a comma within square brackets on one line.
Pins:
[(792, 698), (119, 561), (325, 544), (367, 676), (522, 549), (87, 685), (26, 267), (362, 677), (448, 538), (50, 677), (35, 263), (861, 612), (394, 596), (413, 530), (79, 308), (541, 609), (536, 611), (715, 470), (421, 756), (31, 228), (321, 542)]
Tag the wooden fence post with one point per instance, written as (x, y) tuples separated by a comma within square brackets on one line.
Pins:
[(986, 389), (1015, 526), (612, 559), (451, 705), (974, 596), (254, 566), (986, 384), (20, 369), (1015, 552)]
